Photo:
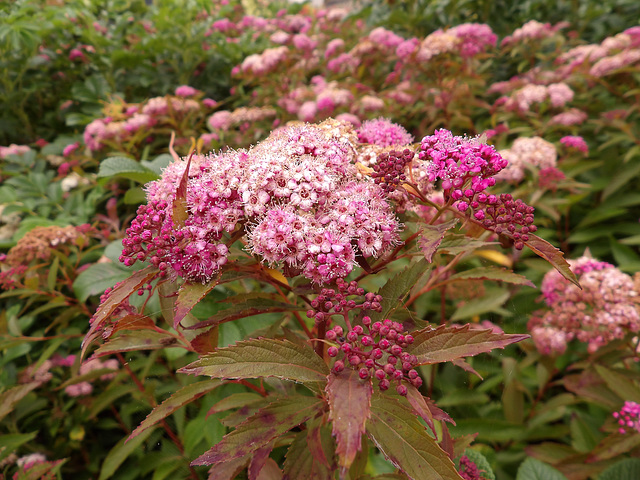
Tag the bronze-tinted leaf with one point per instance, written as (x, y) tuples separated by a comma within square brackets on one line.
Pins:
[(445, 344), (188, 296), (491, 273), (552, 255), (431, 236), (301, 462), (349, 401), (263, 357), (136, 340), (180, 210), (262, 428), (404, 441)]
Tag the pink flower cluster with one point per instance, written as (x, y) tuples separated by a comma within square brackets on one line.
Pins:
[(533, 152), (558, 94), (13, 149), (466, 168), (265, 62), (296, 194), (377, 353), (575, 142), (383, 133), (532, 30), (605, 309), (628, 418), (85, 388), (475, 38)]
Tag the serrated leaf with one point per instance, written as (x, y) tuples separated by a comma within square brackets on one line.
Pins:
[(258, 461), (119, 293), (126, 168), (136, 340), (420, 407), (625, 469), (491, 301), (552, 255), (236, 400), (188, 296), (41, 470), (228, 470), (118, 454), (613, 446), (264, 357), (444, 344), (481, 462), (532, 469), (619, 384), (262, 428), (349, 400), (300, 461), (13, 395), (491, 273), (431, 236), (455, 244), (405, 442), (96, 279), (176, 401), (398, 287), (9, 443)]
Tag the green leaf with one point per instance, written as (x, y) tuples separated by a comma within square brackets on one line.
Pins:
[(398, 287), (532, 469), (455, 244), (625, 469), (188, 296), (613, 446), (262, 428), (404, 442), (444, 344), (176, 401), (481, 462), (120, 293), (118, 454), (126, 168), (431, 236), (13, 395), (623, 175), (491, 301), (552, 255), (620, 384), (349, 400), (491, 273), (96, 279), (9, 443), (263, 357)]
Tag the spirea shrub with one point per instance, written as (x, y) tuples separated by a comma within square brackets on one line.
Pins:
[(299, 213)]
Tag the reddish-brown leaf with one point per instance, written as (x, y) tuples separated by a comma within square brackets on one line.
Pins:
[(120, 293), (552, 255), (420, 406), (445, 344), (614, 446), (228, 470), (134, 321), (188, 296), (258, 461), (491, 273), (206, 342), (262, 428), (311, 455), (431, 236), (136, 340), (349, 408), (270, 471)]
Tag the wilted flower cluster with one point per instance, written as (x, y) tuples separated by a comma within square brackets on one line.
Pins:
[(628, 418), (377, 353), (296, 194), (605, 309), (533, 152)]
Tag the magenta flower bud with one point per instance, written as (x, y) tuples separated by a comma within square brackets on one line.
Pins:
[(332, 351), (402, 390), (384, 344), (366, 321), (384, 330), (363, 373), (330, 335), (346, 348), (406, 366), (352, 336), (384, 384), (369, 363), (376, 327), (338, 329), (398, 375), (389, 369), (387, 323), (377, 353), (355, 360), (358, 329), (392, 360), (367, 341), (416, 382), (396, 350), (392, 334), (380, 375), (413, 374), (338, 366), (408, 339)]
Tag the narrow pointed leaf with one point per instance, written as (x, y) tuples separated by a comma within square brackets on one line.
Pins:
[(398, 287), (10, 442), (118, 454), (491, 273), (405, 442), (349, 408), (258, 461), (552, 255), (262, 357), (136, 340), (614, 446), (13, 395), (420, 407), (431, 236), (228, 470), (176, 401), (445, 344), (180, 211), (262, 428), (120, 292), (188, 296), (236, 400), (619, 384)]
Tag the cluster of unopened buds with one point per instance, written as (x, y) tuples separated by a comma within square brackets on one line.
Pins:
[(376, 350), (628, 417), (331, 302), (388, 171)]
